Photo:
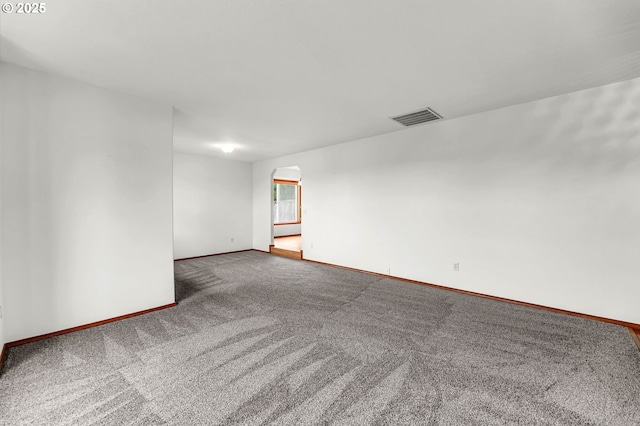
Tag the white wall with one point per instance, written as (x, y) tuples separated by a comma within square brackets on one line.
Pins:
[(2, 339), (285, 230), (288, 173), (212, 205), (537, 202), (86, 203)]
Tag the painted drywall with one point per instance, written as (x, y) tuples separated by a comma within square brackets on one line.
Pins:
[(212, 205), (86, 203), (285, 230), (288, 173), (2, 339), (536, 202)]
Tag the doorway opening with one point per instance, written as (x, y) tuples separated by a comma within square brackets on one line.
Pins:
[(286, 212)]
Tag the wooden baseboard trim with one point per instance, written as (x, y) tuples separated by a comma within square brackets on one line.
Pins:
[(629, 325), (635, 334), (85, 326), (297, 255), (209, 255)]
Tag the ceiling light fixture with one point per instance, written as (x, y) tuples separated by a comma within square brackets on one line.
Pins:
[(227, 149)]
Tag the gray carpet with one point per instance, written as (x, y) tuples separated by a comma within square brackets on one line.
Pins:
[(259, 339)]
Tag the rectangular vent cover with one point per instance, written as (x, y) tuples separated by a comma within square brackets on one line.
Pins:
[(418, 117)]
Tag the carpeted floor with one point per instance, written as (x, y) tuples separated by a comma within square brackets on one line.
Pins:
[(259, 339)]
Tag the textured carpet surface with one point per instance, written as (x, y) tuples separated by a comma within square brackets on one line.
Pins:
[(259, 339)]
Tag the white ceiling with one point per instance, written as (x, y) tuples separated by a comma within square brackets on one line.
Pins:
[(284, 76)]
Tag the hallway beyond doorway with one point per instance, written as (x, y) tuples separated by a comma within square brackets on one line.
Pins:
[(292, 243)]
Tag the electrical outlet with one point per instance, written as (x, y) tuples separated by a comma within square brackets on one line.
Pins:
[(0, 312), (231, 239), (456, 266), (311, 245), (388, 271)]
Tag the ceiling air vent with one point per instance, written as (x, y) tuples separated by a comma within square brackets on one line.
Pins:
[(418, 117)]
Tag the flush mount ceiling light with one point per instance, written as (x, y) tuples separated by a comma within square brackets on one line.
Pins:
[(227, 149)]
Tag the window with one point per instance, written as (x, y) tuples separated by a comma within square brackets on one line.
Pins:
[(286, 202)]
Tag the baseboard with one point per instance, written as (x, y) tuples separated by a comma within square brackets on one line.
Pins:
[(209, 255), (629, 325), (85, 326), (297, 255)]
